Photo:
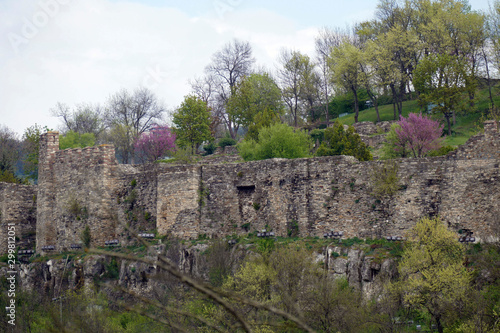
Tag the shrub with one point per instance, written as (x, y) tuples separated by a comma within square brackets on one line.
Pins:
[(227, 142), (391, 147), (86, 236), (441, 151), (276, 141), (338, 141), (210, 148), (385, 179)]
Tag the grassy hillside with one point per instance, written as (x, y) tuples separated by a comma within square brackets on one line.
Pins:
[(467, 124)]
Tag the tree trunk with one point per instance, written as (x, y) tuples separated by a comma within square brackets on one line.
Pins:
[(447, 116), (356, 105), (488, 78), (394, 100), (327, 114), (375, 103)]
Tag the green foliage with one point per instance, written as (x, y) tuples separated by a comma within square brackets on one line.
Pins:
[(31, 139), (389, 148), (75, 209), (192, 123), (256, 205), (337, 141), (432, 275), (264, 118), (76, 140), (255, 93), (210, 148), (317, 135), (384, 179), (444, 150), (86, 236), (224, 142), (276, 141), (293, 228), (7, 176)]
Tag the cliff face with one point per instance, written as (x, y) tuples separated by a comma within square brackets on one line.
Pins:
[(53, 277)]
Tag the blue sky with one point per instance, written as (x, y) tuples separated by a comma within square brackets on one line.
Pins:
[(73, 51)]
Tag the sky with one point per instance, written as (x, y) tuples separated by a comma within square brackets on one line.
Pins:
[(72, 52)]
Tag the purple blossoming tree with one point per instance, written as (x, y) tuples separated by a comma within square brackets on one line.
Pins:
[(418, 134), (158, 142)]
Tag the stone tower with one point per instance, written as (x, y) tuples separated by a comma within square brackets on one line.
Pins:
[(45, 228)]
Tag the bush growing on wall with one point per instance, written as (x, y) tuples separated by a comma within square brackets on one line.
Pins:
[(338, 141)]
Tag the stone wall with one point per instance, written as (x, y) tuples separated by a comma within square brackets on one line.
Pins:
[(18, 209), (77, 187), (317, 195), (307, 197)]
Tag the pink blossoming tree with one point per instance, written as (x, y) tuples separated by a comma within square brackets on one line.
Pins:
[(156, 143), (418, 134)]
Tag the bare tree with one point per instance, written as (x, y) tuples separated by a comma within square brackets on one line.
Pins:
[(85, 118), (130, 114), (228, 67), (298, 81), (327, 40)]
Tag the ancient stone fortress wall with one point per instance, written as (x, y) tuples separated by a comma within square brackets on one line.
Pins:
[(306, 197), (316, 195), (17, 209)]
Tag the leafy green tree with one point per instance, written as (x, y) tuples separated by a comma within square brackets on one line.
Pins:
[(192, 123), (338, 141), (264, 118), (276, 141), (345, 62), (442, 79), (253, 94), (432, 275), (74, 139)]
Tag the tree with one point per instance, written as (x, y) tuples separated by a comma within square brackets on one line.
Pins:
[(229, 66), (418, 134), (129, 115), (76, 140), (298, 81), (345, 63), (432, 275), (10, 153), (325, 43), (31, 147), (192, 123), (442, 79), (276, 141), (159, 141), (254, 94), (85, 118), (338, 141)]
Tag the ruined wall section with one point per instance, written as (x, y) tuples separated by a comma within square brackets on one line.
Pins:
[(180, 193), (77, 187), (481, 146), (18, 208)]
